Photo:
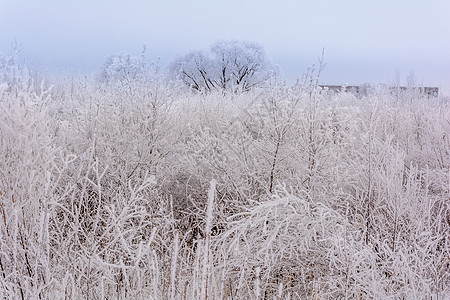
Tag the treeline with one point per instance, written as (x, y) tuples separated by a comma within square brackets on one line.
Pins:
[(229, 67)]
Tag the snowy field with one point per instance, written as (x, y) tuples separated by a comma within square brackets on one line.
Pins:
[(149, 191)]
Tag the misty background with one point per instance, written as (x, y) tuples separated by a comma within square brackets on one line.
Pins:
[(363, 41)]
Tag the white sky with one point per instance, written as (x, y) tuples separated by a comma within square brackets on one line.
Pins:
[(364, 41)]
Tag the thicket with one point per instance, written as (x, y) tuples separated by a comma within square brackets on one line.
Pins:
[(144, 191)]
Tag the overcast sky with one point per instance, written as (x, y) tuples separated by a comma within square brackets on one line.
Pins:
[(364, 41)]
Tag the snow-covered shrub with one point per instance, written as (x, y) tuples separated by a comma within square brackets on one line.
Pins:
[(14, 77), (107, 193), (28, 180), (302, 247)]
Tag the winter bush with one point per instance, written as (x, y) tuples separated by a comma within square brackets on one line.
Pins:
[(128, 188)]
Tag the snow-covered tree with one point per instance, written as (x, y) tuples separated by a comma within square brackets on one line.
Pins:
[(126, 73), (230, 66), (240, 66), (195, 71)]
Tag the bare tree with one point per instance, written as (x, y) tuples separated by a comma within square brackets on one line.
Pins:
[(230, 66), (240, 66), (195, 71)]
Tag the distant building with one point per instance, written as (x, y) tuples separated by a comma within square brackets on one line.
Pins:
[(431, 91), (354, 89), (363, 90)]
